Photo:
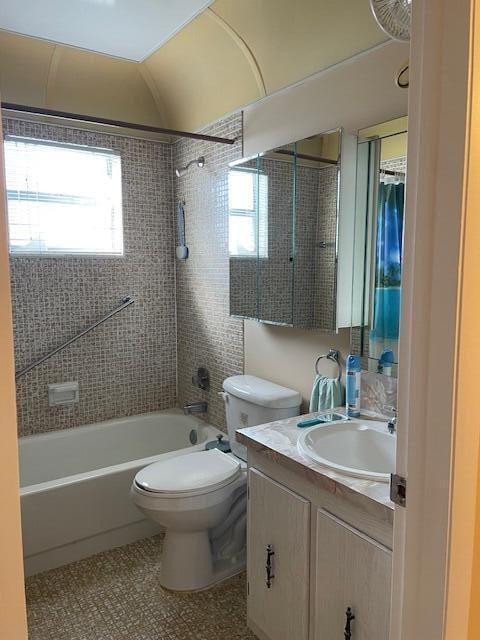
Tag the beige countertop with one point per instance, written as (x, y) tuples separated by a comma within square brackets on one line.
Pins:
[(278, 441)]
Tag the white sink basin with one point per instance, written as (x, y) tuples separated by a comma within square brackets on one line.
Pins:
[(363, 449)]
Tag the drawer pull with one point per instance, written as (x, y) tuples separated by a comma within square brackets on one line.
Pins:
[(268, 567), (348, 633)]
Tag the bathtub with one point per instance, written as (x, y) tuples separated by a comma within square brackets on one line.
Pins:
[(75, 483)]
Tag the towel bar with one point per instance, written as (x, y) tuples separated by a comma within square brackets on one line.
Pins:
[(334, 356)]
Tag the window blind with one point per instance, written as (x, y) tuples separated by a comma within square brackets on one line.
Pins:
[(63, 199)]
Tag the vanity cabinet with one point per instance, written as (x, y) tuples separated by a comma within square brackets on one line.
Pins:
[(352, 570), (323, 554), (278, 555)]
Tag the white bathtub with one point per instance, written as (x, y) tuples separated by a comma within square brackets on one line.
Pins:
[(75, 483)]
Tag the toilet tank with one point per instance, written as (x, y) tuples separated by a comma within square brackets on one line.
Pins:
[(250, 401)]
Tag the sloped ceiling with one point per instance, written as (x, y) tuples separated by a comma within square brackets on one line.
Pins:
[(230, 55)]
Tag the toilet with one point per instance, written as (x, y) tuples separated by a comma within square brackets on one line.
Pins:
[(199, 498)]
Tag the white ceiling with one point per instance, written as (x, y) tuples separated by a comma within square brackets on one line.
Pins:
[(130, 29)]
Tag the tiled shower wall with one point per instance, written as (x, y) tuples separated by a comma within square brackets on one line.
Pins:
[(127, 365), (325, 252), (207, 335)]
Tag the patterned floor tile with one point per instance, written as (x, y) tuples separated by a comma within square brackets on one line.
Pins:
[(115, 595)]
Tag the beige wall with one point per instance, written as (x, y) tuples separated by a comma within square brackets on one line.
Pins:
[(202, 74), (394, 143), (394, 147), (237, 52), (39, 73), (12, 597), (230, 55), (283, 354), (353, 95), (287, 356), (292, 40)]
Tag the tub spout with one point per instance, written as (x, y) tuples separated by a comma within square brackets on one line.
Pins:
[(195, 407)]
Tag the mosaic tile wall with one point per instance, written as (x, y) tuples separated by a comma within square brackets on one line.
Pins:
[(244, 287), (207, 335), (244, 277), (127, 365), (395, 164), (275, 275), (325, 281), (302, 295)]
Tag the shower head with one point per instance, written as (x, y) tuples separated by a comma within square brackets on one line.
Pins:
[(200, 162)]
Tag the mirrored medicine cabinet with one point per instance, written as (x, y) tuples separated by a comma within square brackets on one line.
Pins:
[(378, 245), (283, 233)]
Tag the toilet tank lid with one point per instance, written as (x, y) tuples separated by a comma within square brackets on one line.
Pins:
[(262, 392)]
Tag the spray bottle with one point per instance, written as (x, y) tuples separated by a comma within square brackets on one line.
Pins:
[(353, 386)]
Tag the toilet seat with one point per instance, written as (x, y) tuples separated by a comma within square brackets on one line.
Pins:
[(188, 475)]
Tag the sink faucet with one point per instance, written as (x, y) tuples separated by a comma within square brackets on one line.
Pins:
[(392, 423), (195, 407)]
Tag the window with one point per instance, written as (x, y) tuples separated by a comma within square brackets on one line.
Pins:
[(248, 213), (62, 198)]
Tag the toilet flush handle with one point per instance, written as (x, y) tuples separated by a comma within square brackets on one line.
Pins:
[(223, 395)]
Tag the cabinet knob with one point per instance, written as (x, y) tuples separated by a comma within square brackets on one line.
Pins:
[(348, 633), (268, 566)]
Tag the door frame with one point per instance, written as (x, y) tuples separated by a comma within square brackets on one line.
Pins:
[(437, 447), (12, 594)]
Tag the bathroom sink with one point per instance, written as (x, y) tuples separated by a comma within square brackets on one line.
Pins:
[(363, 449)]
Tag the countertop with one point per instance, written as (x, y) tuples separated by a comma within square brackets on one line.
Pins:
[(278, 441)]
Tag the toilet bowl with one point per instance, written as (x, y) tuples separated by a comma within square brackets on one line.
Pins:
[(192, 496), (200, 498)]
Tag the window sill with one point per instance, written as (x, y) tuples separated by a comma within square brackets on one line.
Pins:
[(108, 256), (248, 257)]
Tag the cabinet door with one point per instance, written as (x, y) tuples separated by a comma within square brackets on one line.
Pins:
[(352, 570), (279, 520)]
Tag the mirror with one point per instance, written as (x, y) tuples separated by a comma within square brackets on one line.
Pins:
[(378, 251), (283, 212)]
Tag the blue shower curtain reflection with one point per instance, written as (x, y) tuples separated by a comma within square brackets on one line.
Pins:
[(388, 271)]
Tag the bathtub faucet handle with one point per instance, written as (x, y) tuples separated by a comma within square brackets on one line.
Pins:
[(201, 379)]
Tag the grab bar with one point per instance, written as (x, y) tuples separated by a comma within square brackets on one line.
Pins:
[(125, 303)]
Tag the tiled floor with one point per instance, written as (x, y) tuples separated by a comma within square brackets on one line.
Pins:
[(115, 595)]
